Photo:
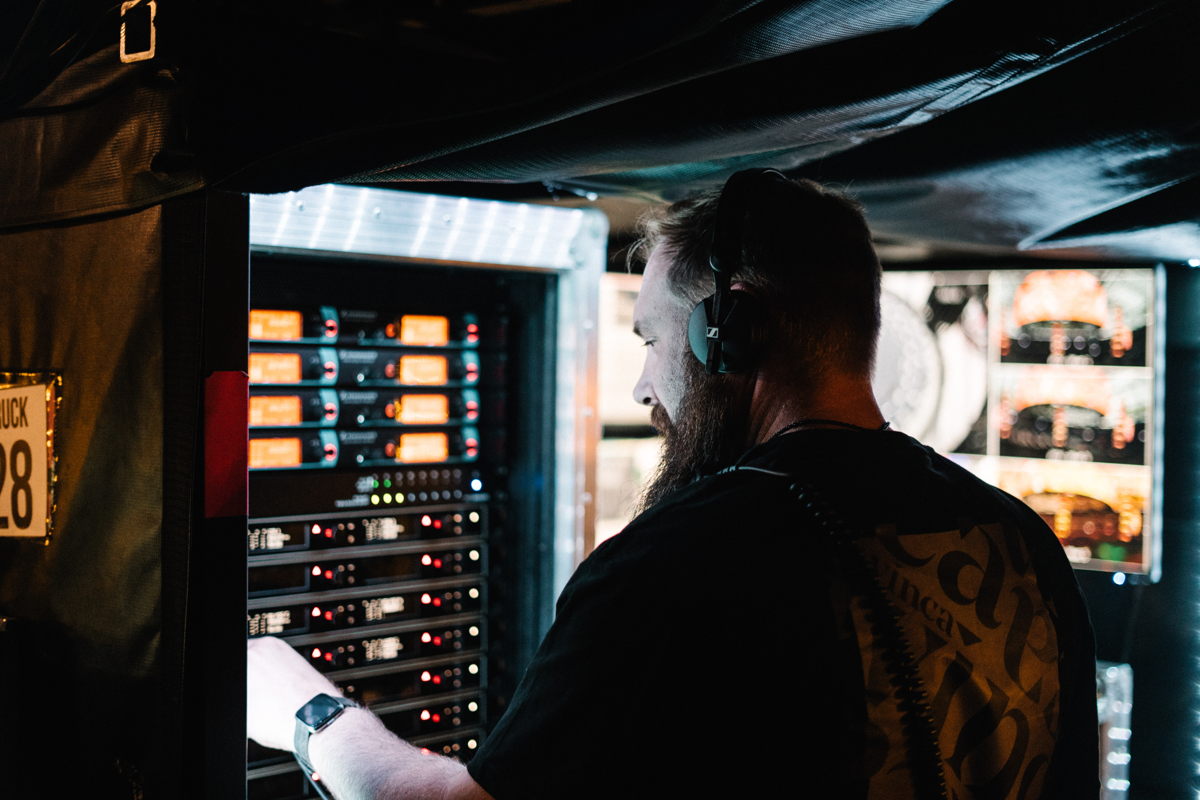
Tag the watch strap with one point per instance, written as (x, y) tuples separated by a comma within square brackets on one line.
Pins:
[(304, 731)]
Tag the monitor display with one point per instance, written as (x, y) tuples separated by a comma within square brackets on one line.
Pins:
[(275, 410), (275, 453), (275, 368), (424, 370), (422, 409), (424, 330), (1044, 382), (277, 326), (422, 447)]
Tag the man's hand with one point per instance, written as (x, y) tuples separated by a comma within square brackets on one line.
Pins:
[(278, 682)]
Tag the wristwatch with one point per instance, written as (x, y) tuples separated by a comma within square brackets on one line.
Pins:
[(312, 717)]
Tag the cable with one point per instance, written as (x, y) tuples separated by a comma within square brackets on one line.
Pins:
[(916, 718), (920, 729)]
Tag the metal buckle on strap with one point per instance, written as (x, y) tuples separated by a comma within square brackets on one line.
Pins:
[(138, 30)]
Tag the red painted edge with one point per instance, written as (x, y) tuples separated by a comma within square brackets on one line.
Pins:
[(226, 493)]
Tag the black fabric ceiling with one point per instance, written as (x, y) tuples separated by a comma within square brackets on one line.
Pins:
[(1008, 124)]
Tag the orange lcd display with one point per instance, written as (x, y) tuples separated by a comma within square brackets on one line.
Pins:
[(278, 326), (422, 447), (274, 453), (424, 370), (423, 409), (275, 410), (425, 331), (275, 368)]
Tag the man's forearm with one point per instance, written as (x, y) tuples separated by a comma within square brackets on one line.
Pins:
[(359, 759)]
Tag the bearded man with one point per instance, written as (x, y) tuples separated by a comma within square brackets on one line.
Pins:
[(808, 602)]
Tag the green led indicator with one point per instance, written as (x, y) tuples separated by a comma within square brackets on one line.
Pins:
[(387, 483), (374, 483)]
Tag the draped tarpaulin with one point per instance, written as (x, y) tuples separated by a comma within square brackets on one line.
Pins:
[(81, 653), (990, 123)]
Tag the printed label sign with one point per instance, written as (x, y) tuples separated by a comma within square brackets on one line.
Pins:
[(24, 461)]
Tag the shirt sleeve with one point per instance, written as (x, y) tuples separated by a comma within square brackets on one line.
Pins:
[(580, 697)]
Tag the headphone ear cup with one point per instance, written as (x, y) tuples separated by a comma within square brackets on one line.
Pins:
[(742, 317), (698, 329)]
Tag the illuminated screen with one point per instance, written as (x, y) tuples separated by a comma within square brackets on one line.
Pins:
[(423, 409), (424, 370), (421, 447), (280, 326), (275, 368), (275, 410), (274, 453), (1042, 382), (422, 330)]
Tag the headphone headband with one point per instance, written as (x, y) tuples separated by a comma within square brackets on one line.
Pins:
[(724, 254), (721, 325)]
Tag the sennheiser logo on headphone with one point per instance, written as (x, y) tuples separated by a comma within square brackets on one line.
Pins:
[(712, 332)]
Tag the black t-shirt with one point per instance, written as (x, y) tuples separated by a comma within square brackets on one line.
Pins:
[(713, 648)]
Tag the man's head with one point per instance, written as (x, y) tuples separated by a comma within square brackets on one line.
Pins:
[(806, 255)]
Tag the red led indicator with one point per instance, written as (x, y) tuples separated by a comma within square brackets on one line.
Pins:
[(331, 328), (331, 411), (329, 657), (329, 533), (437, 562), (331, 452), (330, 368), (437, 523), (437, 601), (472, 328), (437, 678), (328, 574), (389, 410), (472, 443), (437, 641), (329, 616), (436, 718), (472, 337)]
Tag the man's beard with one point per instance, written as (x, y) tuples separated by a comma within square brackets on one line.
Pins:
[(708, 433)]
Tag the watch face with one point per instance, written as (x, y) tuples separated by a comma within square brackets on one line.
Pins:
[(318, 711)]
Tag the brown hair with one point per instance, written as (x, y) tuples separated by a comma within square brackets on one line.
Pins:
[(806, 253)]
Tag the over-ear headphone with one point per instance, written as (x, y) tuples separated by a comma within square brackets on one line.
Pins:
[(722, 326)]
